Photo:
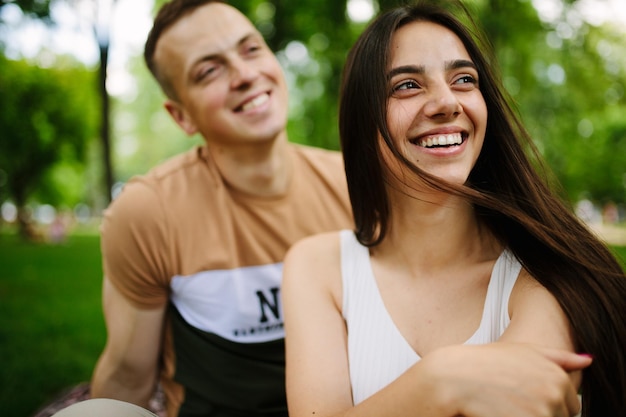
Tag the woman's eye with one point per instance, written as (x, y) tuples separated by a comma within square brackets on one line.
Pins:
[(406, 85), (466, 79)]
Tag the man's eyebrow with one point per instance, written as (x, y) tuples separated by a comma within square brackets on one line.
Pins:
[(420, 69), (215, 55), (247, 37)]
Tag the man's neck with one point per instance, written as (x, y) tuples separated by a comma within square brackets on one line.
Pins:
[(261, 169)]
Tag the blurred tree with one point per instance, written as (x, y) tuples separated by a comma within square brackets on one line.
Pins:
[(36, 8), (101, 29), (567, 77), (311, 39), (100, 11), (47, 118), (144, 132)]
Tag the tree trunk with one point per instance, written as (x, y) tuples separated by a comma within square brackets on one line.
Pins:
[(105, 134)]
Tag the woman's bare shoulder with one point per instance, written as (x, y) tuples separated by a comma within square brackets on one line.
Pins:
[(314, 262), (312, 248), (536, 316)]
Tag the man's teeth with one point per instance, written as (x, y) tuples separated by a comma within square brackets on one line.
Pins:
[(441, 140), (256, 102)]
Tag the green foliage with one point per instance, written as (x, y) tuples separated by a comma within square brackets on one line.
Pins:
[(36, 8), (48, 117), (596, 167), (144, 133), (567, 79), (568, 83), (620, 253), (326, 32)]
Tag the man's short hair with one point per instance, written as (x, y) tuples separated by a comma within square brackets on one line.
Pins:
[(167, 15)]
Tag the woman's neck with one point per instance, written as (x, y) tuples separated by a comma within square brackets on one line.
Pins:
[(436, 235)]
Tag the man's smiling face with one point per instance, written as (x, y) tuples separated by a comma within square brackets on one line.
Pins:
[(229, 85)]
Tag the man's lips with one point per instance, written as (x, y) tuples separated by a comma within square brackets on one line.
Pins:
[(253, 103)]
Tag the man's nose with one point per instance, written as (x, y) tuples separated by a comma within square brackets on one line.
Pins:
[(243, 72)]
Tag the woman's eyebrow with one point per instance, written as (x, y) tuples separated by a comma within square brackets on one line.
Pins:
[(420, 69), (406, 69), (459, 63)]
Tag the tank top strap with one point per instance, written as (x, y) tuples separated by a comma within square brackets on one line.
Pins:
[(495, 317)]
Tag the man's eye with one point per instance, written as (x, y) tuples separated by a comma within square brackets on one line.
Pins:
[(252, 48), (205, 73)]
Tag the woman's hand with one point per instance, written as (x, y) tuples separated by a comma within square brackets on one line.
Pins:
[(506, 379)]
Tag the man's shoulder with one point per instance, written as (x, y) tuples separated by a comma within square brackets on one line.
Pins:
[(319, 157), (166, 181), (183, 169), (315, 151), (175, 165)]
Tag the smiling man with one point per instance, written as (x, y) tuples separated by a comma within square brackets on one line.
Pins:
[(193, 250)]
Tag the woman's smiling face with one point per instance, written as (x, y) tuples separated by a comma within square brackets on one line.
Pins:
[(436, 114)]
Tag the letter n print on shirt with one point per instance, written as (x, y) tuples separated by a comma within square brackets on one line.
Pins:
[(265, 303)]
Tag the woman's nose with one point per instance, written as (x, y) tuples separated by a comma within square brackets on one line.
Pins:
[(442, 102)]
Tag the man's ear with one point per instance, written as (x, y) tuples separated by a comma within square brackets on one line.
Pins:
[(181, 117)]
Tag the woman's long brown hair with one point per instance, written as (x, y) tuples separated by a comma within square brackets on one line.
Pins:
[(509, 188)]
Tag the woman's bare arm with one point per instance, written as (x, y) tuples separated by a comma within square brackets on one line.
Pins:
[(493, 380)]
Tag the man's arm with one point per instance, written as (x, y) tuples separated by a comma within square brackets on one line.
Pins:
[(128, 367)]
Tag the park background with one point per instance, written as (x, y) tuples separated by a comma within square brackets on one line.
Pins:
[(80, 115)]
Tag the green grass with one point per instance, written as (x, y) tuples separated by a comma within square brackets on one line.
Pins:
[(51, 325), (620, 252)]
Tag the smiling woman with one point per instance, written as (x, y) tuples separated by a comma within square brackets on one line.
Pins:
[(465, 273), (436, 104)]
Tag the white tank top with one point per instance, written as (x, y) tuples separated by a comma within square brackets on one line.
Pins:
[(377, 351)]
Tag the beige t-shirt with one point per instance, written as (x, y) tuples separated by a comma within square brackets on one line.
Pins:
[(180, 236)]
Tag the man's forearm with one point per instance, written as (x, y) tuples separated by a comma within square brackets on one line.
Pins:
[(122, 383)]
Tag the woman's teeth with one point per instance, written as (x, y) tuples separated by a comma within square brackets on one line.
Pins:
[(441, 140)]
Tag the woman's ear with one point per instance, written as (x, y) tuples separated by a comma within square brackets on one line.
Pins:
[(181, 117)]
